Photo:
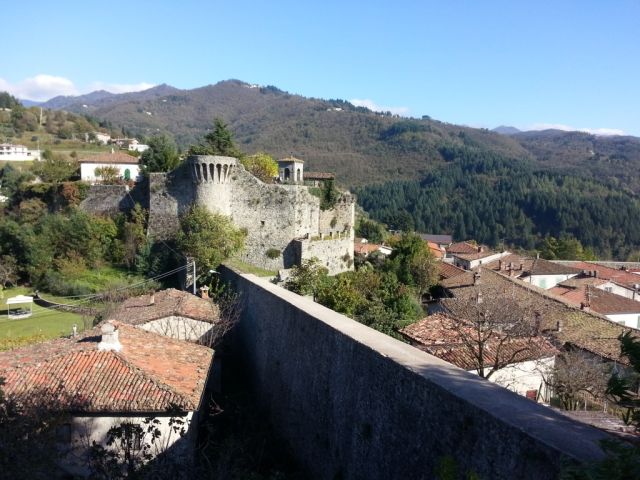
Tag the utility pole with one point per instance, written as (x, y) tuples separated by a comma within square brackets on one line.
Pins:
[(194, 277)]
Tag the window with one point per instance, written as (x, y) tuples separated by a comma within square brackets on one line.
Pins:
[(127, 174)]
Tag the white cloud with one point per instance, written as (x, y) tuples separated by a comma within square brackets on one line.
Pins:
[(371, 105), (40, 87), (121, 87), (44, 87), (567, 128)]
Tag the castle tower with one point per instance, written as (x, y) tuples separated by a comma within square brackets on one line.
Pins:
[(291, 170), (212, 176)]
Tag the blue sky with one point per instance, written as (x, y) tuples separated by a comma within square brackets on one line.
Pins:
[(481, 63)]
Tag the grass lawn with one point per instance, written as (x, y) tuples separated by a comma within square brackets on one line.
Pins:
[(247, 268), (46, 322)]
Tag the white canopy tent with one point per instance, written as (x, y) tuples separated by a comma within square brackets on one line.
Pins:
[(19, 313)]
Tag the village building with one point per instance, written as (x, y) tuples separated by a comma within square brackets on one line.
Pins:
[(317, 179), (545, 274), (174, 313), (587, 296), (530, 360), (103, 138), (110, 375), (442, 241), (126, 166), (621, 281), (17, 153), (469, 256)]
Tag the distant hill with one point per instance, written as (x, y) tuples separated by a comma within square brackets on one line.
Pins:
[(506, 130), (359, 145)]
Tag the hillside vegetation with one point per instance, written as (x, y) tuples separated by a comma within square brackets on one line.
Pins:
[(360, 146)]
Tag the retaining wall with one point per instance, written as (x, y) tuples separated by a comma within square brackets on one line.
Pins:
[(354, 403)]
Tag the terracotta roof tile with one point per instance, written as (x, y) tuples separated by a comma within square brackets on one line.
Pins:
[(111, 158), (600, 301), (166, 303), (319, 176), (541, 266), (462, 247), (441, 336), (587, 330), (150, 374), (622, 277)]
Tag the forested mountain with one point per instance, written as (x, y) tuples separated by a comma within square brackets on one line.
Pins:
[(504, 201), (359, 145)]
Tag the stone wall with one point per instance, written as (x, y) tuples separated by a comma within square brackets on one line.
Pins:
[(107, 200), (170, 195), (356, 404), (340, 218), (336, 253)]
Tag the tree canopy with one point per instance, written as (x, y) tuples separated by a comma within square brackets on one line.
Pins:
[(161, 156), (219, 141)]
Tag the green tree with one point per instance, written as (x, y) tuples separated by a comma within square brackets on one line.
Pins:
[(262, 166), (217, 142), (55, 167), (328, 195), (161, 156), (209, 238), (371, 230), (307, 278)]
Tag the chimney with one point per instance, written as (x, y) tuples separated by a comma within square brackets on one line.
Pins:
[(476, 278), (152, 298), (558, 326), (537, 255), (109, 340), (204, 292), (521, 266), (500, 265), (112, 152), (74, 330), (595, 274)]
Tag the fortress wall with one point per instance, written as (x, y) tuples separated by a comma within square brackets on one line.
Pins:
[(170, 195), (268, 212), (107, 200), (356, 404), (340, 218), (336, 254)]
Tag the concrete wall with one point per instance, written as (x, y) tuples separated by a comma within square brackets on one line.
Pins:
[(627, 319), (526, 376), (548, 281), (356, 404)]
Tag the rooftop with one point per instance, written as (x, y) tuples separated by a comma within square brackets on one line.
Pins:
[(600, 301), (462, 247), (621, 276), (589, 331), (319, 176), (443, 336), (151, 373), (111, 158), (439, 239), (540, 266), (166, 303)]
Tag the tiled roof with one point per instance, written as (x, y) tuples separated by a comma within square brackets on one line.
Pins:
[(166, 303), (600, 301), (442, 336), (110, 158), (150, 373), (541, 266), (449, 270), (365, 248), (622, 277), (587, 330), (475, 256), (462, 247), (319, 176), (513, 262), (435, 250)]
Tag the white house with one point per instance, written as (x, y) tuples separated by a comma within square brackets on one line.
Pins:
[(109, 376), (135, 146), (468, 256), (171, 312), (545, 274), (17, 153), (102, 138), (127, 166), (529, 359)]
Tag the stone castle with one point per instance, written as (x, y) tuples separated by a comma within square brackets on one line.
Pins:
[(284, 222)]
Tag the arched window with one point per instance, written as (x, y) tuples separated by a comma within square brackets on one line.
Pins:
[(212, 172), (287, 174), (198, 172), (204, 172), (298, 176), (225, 169), (219, 169)]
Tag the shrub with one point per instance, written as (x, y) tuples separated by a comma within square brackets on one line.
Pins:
[(273, 253)]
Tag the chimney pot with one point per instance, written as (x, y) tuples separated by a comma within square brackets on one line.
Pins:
[(152, 298), (204, 292)]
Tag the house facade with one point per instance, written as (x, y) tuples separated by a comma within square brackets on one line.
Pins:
[(17, 153), (126, 167)]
